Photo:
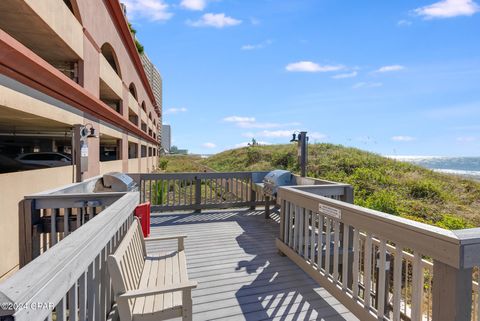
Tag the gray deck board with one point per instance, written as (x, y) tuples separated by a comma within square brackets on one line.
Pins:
[(240, 275)]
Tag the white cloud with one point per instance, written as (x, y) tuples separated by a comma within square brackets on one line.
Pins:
[(196, 5), (404, 23), (282, 134), (239, 119), (251, 122), (309, 66), (265, 125), (390, 68), (360, 85), (209, 145), (154, 10), (448, 9), (317, 136), (248, 134), (275, 133), (346, 75), (403, 138), (257, 46), (216, 20), (466, 139), (176, 110)]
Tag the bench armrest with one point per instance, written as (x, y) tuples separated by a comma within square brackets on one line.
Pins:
[(152, 291), (180, 238)]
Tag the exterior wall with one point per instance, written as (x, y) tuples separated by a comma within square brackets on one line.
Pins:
[(19, 93), (62, 21), (14, 187), (133, 165), (112, 166)]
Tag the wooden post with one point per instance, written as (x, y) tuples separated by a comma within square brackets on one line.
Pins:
[(29, 238), (253, 198), (267, 207), (452, 293), (198, 195)]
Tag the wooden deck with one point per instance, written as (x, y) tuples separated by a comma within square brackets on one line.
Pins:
[(241, 276)]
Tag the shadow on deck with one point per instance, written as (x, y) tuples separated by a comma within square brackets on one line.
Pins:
[(241, 276)]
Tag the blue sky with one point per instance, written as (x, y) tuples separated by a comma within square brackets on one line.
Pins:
[(394, 77)]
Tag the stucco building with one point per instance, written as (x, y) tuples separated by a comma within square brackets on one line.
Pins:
[(65, 63)]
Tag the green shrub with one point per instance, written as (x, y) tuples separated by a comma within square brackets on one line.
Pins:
[(163, 164), (425, 189), (283, 160), (253, 155), (451, 222), (383, 201)]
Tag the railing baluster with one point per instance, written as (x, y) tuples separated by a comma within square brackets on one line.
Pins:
[(291, 217), (320, 242), (306, 236), (150, 198), (356, 262), (328, 243), (301, 230), (312, 238), (66, 221), (367, 270), (73, 303), (397, 281), (417, 287), (478, 294), (286, 221), (53, 227), (61, 310), (82, 296), (295, 228), (381, 280), (335, 250), (345, 255)]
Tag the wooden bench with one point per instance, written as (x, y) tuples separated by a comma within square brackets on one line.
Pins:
[(148, 287)]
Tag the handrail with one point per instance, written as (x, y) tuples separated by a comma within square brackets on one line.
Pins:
[(341, 245), (200, 190), (48, 217), (74, 268)]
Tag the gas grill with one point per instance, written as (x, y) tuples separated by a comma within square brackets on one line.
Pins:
[(115, 182), (276, 179)]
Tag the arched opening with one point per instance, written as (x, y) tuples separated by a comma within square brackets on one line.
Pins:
[(133, 90), (109, 54), (73, 7), (144, 107), (150, 115)]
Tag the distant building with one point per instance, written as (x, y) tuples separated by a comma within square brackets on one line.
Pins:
[(166, 138), (155, 80)]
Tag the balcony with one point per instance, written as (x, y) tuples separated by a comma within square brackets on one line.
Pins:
[(110, 83), (48, 28), (318, 258)]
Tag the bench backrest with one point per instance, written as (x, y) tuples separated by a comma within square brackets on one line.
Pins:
[(126, 264)]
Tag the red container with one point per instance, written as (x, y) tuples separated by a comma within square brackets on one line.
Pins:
[(143, 213)]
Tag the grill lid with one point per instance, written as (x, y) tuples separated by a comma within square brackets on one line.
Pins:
[(275, 179), (115, 182)]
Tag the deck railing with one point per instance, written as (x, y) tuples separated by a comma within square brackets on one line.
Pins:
[(48, 217), (70, 281), (381, 267), (197, 191)]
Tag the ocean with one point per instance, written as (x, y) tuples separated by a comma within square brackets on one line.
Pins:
[(463, 166)]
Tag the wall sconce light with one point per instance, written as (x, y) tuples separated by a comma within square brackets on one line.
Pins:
[(88, 131)]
